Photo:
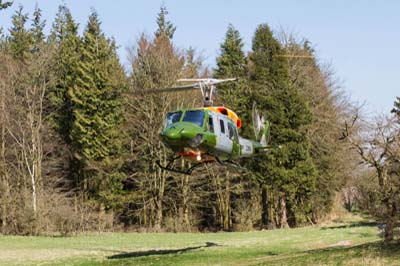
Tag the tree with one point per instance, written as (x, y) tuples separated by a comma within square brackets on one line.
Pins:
[(232, 63), (288, 170), (232, 60), (5, 4), (165, 27), (396, 109), (8, 70), (25, 140), (28, 133), (155, 64), (19, 39), (37, 27), (192, 64), (378, 145), (329, 107), (64, 36), (97, 112)]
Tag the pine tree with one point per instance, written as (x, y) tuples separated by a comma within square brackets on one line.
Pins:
[(331, 156), (64, 36), (37, 27), (97, 109), (288, 170), (232, 63), (19, 39), (232, 60), (192, 64), (165, 27), (5, 4)]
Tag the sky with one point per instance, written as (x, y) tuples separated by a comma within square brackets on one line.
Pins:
[(359, 38)]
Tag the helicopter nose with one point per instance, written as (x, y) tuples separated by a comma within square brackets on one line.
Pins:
[(186, 134), (173, 134)]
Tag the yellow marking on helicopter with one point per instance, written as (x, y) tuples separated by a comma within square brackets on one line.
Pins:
[(225, 111)]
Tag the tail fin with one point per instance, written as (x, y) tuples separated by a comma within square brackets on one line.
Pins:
[(265, 134), (261, 127)]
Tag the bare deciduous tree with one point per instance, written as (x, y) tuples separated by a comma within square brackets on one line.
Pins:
[(378, 145)]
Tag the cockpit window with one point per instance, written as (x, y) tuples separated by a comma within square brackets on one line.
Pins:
[(172, 118), (210, 125), (195, 117)]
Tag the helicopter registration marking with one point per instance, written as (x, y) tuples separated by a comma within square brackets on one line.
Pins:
[(246, 145), (247, 148)]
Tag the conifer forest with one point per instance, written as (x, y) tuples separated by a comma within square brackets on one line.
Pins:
[(79, 138)]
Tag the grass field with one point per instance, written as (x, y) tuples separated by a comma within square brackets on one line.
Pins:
[(351, 243)]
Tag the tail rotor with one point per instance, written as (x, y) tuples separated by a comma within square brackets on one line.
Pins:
[(261, 127), (258, 122)]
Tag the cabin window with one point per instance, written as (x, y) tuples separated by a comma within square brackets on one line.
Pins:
[(233, 134), (221, 123), (210, 124), (195, 117), (235, 130), (172, 118), (230, 129)]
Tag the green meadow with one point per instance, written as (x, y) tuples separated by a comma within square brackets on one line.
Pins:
[(350, 243)]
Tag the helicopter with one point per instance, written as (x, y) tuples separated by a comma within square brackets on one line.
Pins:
[(209, 134)]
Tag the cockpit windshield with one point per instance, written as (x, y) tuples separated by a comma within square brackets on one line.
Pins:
[(172, 118), (195, 117)]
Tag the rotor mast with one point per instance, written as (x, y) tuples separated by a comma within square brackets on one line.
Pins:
[(207, 88)]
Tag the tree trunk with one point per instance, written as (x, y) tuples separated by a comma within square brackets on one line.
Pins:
[(391, 221), (160, 177), (185, 201), (34, 198), (282, 212), (226, 216), (266, 210), (3, 170), (144, 213), (159, 213), (3, 164)]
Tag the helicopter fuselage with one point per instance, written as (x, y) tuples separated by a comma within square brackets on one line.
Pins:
[(206, 134)]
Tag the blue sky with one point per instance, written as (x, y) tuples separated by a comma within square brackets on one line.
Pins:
[(361, 39)]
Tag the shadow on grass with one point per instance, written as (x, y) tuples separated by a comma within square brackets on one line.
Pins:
[(358, 224), (126, 255), (375, 251), (377, 248)]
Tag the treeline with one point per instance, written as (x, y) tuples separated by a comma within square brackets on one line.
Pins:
[(79, 139)]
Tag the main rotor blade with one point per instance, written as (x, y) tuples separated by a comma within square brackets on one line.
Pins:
[(198, 83), (171, 89), (223, 80), (209, 81)]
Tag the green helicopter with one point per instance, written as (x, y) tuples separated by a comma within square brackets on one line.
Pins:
[(209, 134)]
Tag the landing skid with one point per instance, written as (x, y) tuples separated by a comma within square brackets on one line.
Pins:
[(189, 171), (169, 166), (230, 163)]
